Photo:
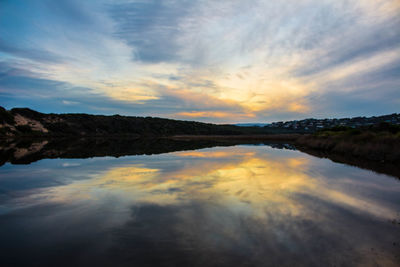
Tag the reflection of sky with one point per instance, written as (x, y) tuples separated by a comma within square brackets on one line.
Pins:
[(221, 61), (241, 203)]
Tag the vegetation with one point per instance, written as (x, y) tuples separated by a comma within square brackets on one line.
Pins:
[(99, 125), (382, 127), (5, 116), (379, 142), (312, 125)]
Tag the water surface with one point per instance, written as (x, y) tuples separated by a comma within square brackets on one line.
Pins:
[(223, 206)]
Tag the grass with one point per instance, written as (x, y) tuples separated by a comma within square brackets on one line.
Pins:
[(379, 142)]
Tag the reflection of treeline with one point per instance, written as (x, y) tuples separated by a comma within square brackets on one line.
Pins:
[(24, 151), (390, 168), (27, 150), (379, 142), (99, 125)]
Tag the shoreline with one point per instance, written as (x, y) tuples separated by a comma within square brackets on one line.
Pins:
[(378, 148), (380, 153), (255, 137)]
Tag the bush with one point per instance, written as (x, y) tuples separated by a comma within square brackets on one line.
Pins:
[(386, 127), (24, 128), (5, 116)]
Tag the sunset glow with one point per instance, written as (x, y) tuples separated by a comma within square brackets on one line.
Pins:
[(213, 61)]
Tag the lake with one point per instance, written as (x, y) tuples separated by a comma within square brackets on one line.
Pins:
[(243, 205)]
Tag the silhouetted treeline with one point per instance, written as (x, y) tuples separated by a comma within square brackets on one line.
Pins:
[(27, 122)]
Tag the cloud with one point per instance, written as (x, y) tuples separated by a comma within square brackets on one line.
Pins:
[(212, 114), (31, 54), (67, 102), (151, 27), (209, 60)]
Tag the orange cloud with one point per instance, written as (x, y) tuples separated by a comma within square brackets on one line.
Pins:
[(298, 107), (213, 114), (200, 99), (212, 154)]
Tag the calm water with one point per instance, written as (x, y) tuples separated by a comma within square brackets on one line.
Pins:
[(224, 206)]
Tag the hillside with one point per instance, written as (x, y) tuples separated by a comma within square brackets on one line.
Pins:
[(27, 122), (311, 125), (19, 122)]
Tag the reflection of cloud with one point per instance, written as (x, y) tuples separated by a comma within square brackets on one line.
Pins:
[(68, 164), (267, 205), (234, 177), (213, 154)]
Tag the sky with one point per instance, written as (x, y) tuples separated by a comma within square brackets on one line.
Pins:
[(213, 61)]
